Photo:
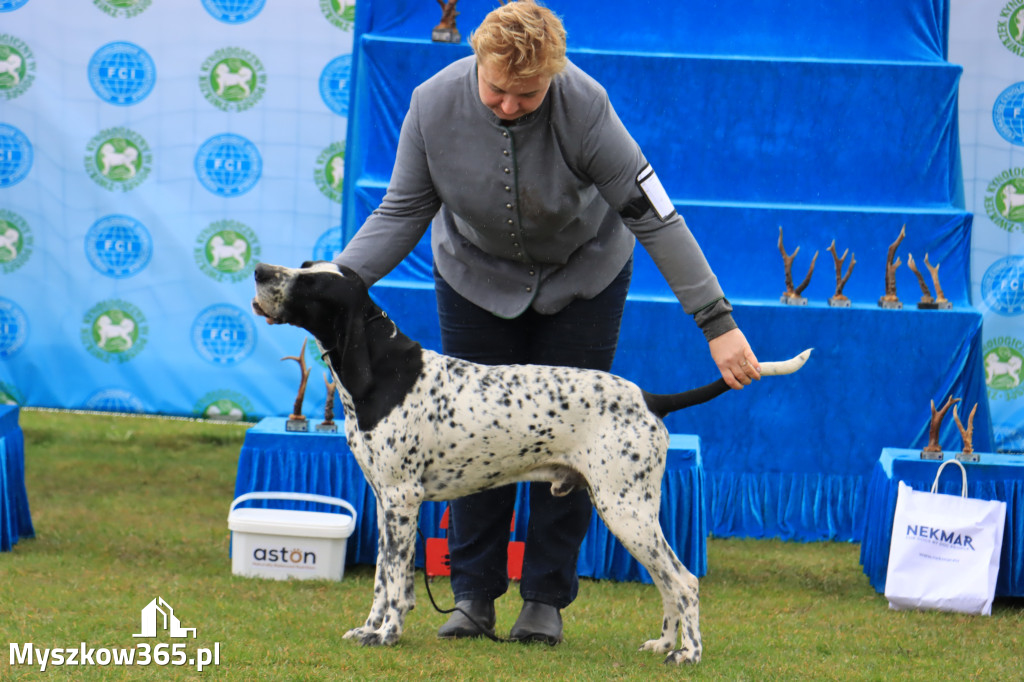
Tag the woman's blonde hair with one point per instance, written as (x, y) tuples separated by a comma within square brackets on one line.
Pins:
[(522, 40)]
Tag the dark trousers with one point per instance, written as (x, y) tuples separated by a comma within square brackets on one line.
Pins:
[(583, 334)]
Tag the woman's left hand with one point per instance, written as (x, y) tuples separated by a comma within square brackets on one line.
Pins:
[(735, 359)]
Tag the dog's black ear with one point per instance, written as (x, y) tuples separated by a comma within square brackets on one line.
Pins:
[(354, 352), (307, 263)]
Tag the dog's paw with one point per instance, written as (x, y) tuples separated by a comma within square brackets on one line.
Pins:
[(658, 646), (358, 633), (372, 638), (387, 637), (680, 656)]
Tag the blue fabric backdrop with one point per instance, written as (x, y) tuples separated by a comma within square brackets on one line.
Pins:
[(987, 38), (232, 114), (830, 122)]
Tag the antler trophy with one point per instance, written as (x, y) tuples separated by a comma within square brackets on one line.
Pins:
[(328, 425), (792, 295), (296, 422), (933, 450), (445, 31), (839, 300), (929, 302), (967, 454), (890, 299)]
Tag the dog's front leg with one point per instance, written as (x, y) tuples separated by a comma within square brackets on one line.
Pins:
[(395, 562), (380, 592)]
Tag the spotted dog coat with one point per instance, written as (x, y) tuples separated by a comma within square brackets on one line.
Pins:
[(425, 426)]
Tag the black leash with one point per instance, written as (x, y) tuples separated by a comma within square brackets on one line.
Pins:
[(426, 582)]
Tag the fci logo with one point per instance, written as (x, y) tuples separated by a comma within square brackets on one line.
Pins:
[(224, 335), (122, 73), (228, 164), (118, 246)]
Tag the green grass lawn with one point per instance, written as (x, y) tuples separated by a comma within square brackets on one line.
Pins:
[(127, 509)]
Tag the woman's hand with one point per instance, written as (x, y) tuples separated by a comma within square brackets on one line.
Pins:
[(735, 359)]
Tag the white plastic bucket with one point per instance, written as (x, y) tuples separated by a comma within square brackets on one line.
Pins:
[(287, 543)]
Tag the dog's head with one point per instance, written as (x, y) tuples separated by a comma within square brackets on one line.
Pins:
[(329, 301), (313, 296)]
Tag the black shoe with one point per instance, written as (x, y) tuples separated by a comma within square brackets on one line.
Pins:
[(537, 622), (458, 625)]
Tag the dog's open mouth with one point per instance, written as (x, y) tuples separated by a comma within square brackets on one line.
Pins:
[(259, 311)]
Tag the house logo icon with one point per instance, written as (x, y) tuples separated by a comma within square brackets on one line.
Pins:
[(158, 615)]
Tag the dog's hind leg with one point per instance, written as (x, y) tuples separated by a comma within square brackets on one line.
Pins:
[(634, 521)]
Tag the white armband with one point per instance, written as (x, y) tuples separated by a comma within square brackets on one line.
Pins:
[(656, 195)]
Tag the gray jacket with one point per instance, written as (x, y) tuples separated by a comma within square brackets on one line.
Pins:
[(537, 213)]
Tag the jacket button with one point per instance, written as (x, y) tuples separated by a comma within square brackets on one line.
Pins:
[(508, 206), (507, 171)]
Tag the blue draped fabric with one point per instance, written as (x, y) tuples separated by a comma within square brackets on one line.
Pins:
[(995, 477), (790, 456), (791, 506), (832, 122), (272, 459), (15, 517), (871, 29)]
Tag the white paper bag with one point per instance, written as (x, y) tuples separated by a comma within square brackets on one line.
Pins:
[(944, 552)]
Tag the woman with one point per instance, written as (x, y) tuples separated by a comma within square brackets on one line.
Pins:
[(537, 195)]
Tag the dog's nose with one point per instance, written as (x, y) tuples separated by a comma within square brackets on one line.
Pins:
[(263, 272)]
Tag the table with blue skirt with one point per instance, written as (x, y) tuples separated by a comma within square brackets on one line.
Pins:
[(15, 518), (273, 459), (994, 477)]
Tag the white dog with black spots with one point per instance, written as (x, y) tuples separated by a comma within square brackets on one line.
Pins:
[(425, 426)]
